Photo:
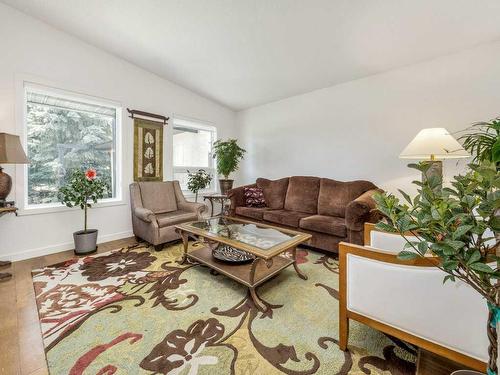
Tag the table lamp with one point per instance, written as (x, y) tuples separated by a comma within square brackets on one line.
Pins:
[(433, 145), (11, 152)]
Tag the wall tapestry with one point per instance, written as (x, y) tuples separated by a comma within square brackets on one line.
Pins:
[(148, 150)]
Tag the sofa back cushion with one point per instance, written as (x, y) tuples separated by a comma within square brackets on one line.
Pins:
[(158, 197), (302, 194), (274, 191), (334, 196)]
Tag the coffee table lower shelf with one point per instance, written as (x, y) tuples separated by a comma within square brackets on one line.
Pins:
[(241, 272), (250, 274)]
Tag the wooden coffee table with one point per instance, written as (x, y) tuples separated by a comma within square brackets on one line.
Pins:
[(265, 242)]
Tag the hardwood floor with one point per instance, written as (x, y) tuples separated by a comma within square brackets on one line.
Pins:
[(21, 348)]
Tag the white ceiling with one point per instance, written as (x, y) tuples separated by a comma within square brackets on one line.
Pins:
[(243, 53)]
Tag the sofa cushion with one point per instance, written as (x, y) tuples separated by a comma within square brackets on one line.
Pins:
[(302, 194), (254, 197), (274, 191), (325, 224), (251, 212), (334, 196), (284, 217), (158, 197), (175, 217)]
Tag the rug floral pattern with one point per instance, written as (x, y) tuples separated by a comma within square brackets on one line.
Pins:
[(136, 311)]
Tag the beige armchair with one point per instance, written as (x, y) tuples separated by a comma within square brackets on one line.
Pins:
[(157, 207)]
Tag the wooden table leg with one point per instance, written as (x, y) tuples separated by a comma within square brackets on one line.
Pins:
[(255, 298), (185, 243), (4, 276), (299, 272)]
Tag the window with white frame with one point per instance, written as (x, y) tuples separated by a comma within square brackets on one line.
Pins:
[(64, 132), (192, 150)]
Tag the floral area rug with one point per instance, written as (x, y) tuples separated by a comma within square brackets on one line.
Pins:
[(136, 311)]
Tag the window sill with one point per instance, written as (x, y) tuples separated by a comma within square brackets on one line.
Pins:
[(54, 208)]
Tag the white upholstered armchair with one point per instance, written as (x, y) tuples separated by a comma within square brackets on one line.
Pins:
[(407, 299)]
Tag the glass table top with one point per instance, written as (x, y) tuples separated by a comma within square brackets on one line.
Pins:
[(247, 233)]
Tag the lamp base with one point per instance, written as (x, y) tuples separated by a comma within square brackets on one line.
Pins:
[(435, 169), (5, 184)]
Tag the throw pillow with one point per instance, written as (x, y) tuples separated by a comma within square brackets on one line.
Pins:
[(254, 197)]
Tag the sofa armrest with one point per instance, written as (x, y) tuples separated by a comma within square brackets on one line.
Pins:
[(361, 210), (198, 208), (237, 197), (144, 214)]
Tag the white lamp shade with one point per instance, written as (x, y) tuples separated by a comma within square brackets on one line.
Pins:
[(434, 143)]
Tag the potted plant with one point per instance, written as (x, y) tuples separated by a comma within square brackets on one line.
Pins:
[(198, 181), (228, 155), (458, 224), (482, 140), (83, 187)]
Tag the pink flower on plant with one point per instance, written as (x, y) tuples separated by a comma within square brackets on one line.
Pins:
[(90, 174)]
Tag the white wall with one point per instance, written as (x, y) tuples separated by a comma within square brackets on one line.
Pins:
[(36, 51), (357, 130)]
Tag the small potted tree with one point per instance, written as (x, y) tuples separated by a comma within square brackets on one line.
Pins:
[(197, 181), (83, 189), (228, 155)]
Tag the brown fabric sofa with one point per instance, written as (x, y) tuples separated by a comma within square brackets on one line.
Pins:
[(157, 207), (332, 211)]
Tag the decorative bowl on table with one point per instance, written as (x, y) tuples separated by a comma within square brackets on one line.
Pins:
[(229, 254)]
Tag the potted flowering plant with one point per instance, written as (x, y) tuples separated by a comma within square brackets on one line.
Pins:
[(83, 189)]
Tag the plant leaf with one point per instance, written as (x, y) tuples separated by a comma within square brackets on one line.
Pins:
[(407, 255), (481, 267), (405, 196), (385, 227), (475, 257), (448, 277), (461, 230)]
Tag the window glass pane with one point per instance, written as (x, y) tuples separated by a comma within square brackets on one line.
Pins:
[(63, 135), (192, 147), (182, 177)]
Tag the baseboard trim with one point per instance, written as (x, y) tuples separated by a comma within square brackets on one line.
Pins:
[(46, 250)]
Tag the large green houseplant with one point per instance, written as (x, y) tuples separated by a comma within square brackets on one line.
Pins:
[(83, 189), (228, 155), (482, 140), (459, 225)]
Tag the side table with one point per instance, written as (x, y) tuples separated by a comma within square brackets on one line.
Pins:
[(218, 198), (4, 276)]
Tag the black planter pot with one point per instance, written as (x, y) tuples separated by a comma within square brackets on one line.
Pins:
[(85, 242), (225, 186)]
